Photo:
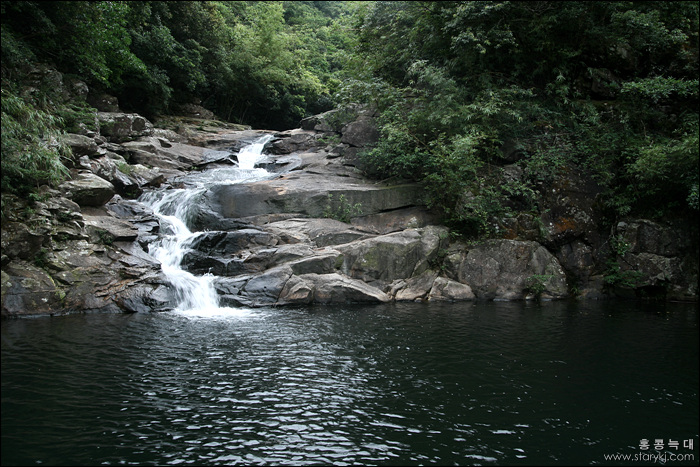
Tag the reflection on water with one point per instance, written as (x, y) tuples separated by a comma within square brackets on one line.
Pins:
[(404, 384)]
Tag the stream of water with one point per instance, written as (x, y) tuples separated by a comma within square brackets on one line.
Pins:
[(195, 294)]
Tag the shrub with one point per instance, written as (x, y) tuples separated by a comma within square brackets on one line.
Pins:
[(32, 147)]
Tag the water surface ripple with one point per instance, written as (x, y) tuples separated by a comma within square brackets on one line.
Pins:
[(402, 384)]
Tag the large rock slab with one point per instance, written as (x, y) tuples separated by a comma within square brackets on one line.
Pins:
[(319, 232), (508, 270), (393, 221), (309, 195), (156, 152), (107, 229)]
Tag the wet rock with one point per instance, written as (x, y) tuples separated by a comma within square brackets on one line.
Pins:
[(146, 299), (227, 243), (28, 290), (265, 289)]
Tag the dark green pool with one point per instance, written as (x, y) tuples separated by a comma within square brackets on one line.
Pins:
[(498, 383)]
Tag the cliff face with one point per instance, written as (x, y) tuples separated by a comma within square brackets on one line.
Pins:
[(318, 232)]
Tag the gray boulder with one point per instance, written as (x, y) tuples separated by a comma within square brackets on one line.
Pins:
[(82, 145), (119, 127), (296, 140), (265, 288), (328, 288), (509, 270), (361, 133), (654, 260), (398, 255), (445, 289), (87, 189)]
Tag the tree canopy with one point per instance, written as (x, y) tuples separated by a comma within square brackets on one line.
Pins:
[(267, 64), (610, 88)]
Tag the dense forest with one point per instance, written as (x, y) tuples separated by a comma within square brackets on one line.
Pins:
[(605, 88)]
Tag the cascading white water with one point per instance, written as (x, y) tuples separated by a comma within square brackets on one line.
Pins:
[(251, 154), (194, 293), (191, 292)]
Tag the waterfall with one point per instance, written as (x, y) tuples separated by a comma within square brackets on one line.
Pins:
[(172, 207), (249, 155)]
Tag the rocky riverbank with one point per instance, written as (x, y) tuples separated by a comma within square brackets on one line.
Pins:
[(318, 232)]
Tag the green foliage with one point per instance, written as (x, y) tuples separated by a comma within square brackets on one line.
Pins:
[(619, 245), (88, 38), (617, 277), (659, 88), (267, 64), (76, 117), (32, 149), (341, 210), (41, 259), (665, 168), (606, 87), (537, 283)]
